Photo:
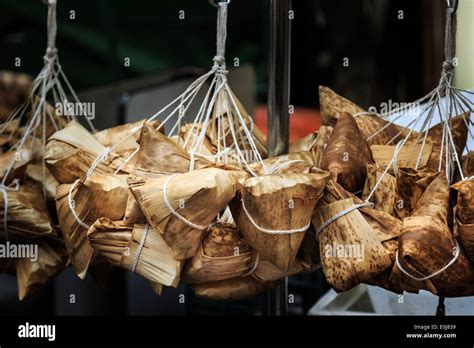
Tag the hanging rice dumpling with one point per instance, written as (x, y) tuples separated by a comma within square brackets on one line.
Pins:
[(125, 137), (280, 202), (188, 138), (231, 289), (71, 151), (101, 195), (27, 216), (268, 272), (347, 154), (139, 249), (223, 255), (426, 244), (32, 275), (17, 160), (196, 197)]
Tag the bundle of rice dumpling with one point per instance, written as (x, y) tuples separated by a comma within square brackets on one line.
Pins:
[(101, 195), (347, 154), (428, 256), (223, 255), (34, 274), (181, 206), (275, 211), (140, 249)]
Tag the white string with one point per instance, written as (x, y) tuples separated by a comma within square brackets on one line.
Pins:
[(136, 257), (270, 231), (449, 264), (174, 212), (71, 204), (100, 158), (340, 214)]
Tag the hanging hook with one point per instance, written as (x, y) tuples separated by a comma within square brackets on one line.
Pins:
[(213, 2)]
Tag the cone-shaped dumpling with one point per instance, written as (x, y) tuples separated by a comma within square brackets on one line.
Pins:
[(34, 274), (374, 129), (27, 215), (411, 184), (351, 251), (126, 137), (182, 206), (101, 195), (223, 255), (427, 246), (347, 154), (274, 211), (140, 249), (231, 289), (71, 151)]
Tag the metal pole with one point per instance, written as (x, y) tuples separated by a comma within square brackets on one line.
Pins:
[(278, 114)]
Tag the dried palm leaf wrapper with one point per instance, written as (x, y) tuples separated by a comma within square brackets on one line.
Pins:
[(374, 129), (383, 197), (231, 289), (275, 211), (223, 255), (428, 256), (188, 135), (26, 213), (434, 138), (41, 175), (303, 144), (383, 155), (464, 215), (347, 154), (32, 275), (181, 206), (411, 184), (80, 204), (71, 151), (265, 271), (299, 162), (468, 164), (139, 249), (350, 249), (14, 89), (124, 138)]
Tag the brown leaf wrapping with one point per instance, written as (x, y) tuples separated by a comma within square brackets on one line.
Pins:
[(299, 162), (18, 160), (468, 164), (464, 215), (122, 137), (351, 251), (347, 154), (410, 186), (223, 255), (190, 134), (268, 272), (32, 275), (101, 195), (198, 196), (427, 245), (121, 245), (35, 173), (278, 202), (27, 215), (308, 253), (333, 106), (231, 289), (71, 151), (304, 144), (384, 196), (383, 155)]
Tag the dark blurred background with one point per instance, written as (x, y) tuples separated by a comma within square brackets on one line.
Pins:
[(389, 58)]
